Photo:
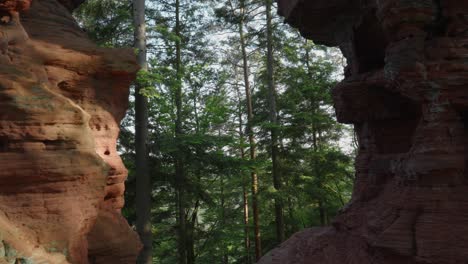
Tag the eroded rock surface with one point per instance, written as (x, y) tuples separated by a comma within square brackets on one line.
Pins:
[(406, 93), (61, 179)]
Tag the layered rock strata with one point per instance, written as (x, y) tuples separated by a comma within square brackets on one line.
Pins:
[(61, 101), (406, 93)]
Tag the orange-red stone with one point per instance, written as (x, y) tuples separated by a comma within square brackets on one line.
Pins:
[(61, 178), (406, 93)]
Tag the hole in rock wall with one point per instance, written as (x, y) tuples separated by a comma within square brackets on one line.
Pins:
[(64, 85), (53, 144), (370, 44), (464, 117), (3, 144), (5, 18), (438, 27), (395, 135)]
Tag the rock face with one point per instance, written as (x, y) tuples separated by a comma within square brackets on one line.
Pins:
[(406, 93), (61, 101)]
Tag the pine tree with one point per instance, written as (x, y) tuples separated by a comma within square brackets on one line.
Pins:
[(143, 180), (198, 117), (277, 182)]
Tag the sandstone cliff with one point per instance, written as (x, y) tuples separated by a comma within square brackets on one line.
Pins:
[(406, 93), (61, 179)]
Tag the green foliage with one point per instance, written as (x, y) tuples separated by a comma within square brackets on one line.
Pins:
[(316, 171), (108, 22), (147, 82)]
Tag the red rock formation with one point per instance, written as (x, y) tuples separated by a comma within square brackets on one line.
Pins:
[(61, 178), (406, 93)]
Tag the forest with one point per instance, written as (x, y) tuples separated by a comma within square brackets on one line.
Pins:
[(231, 139)]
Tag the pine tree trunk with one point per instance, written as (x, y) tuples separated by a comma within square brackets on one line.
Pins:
[(225, 256), (315, 144), (256, 215), (179, 165), (322, 213), (143, 180), (246, 222), (273, 116), (190, 236), (191, 257), (293, 227), (244, 182)]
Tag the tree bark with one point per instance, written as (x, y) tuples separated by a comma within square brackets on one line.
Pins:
[(225, 257), (256, 215), (273, 116), (316, 144), (244, 182), (179, 166), (191, 257), (143, 180)]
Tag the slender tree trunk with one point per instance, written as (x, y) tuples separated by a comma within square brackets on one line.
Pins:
[(193, 220), (252, 144), (256, 215), (191, 233), (319, 176), (190, 243), (316, 145), (225, 256), (143, 180), (244, 182), (340, 196), (293, 227), (279, 218), (179, 165), (322, 213), (190, 230), (246, 221), (316, 168)]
